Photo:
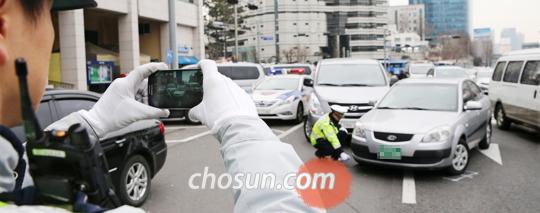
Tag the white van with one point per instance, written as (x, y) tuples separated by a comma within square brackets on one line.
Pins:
[(246, 75), (514, 89)]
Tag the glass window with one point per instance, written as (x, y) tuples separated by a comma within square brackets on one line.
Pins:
[(68, 106), (422, 97), (240, 73), (278, 84), (497, 74), (531, 73), (512, 71), (351, 75), (44, 114)]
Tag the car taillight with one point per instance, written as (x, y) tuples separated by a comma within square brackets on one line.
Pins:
[(161, 128)]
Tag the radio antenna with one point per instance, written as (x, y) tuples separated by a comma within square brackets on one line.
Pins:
[(32, 129)]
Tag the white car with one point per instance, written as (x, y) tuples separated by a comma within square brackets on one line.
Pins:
[(298, 69), (419, 70), (281, 97), (448, 72), (483, 78), (515, 89)]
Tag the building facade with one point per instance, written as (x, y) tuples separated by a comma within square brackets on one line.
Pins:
[(408, 19), (318, 29), (121, 34), (445, 17), (516, 38)]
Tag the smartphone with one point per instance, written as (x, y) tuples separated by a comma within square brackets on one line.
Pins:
[(175, 89)]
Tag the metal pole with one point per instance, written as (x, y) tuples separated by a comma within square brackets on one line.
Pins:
[(258, 42), (276, 28), (236, 32), (172, 33)]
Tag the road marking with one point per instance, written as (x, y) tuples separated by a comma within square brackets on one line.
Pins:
[(183, 127), (494, 153), (190, 138), (466, 174), (289, 131), (408, 195), (278, 131)]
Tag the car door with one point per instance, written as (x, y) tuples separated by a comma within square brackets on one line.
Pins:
[(529, 97), (511, 88), (473, 125)]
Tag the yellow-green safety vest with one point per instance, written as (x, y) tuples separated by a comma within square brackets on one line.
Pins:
[(325, 129), (2, 204)]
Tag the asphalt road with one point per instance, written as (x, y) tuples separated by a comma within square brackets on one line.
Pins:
[(487, 186)]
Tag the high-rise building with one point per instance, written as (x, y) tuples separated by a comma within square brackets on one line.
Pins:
[(448, 17), (408, 19), (311, 29), (516, 38)]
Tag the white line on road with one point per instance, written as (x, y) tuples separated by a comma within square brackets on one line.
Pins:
[(183, 127), (289, 131), (408, 195), (278, 131), (493, 153), (190, 138)]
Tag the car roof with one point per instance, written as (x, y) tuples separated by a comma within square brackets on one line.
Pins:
[(449, 68), (240, 64), (291, 65), (432, 81), (349, 61), (70, 92)]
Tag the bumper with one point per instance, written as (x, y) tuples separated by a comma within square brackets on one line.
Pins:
[(415, 155), (278, 112)]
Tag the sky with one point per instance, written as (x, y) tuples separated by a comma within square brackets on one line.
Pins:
[(524, 15)]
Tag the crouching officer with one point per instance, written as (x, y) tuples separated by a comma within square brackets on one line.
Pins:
[(327, 135)]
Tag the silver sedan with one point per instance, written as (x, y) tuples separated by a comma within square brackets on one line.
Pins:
[(425, 123)]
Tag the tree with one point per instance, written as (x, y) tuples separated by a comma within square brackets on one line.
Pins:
[(220, 26), (289, 55)]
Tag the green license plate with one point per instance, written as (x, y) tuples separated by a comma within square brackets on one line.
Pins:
[(389, 153)]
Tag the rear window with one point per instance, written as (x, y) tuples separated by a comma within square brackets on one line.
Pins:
[(512, 71), (497, 74), (531, 73), (240, 72)]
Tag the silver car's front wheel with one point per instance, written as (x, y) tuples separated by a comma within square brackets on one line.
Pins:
[(307, 129), (460, 158)]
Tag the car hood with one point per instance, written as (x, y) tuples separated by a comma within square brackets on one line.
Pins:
[(351, 95), (406, 121), (272, 94)]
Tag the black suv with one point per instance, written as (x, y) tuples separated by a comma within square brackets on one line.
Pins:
[(135, 154)]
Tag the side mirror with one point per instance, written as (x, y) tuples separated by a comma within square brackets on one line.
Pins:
[(372, 103), (472, 105), (308, 82), (393, 80)]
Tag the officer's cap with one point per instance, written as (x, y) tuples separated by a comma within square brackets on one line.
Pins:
[(339, 109)]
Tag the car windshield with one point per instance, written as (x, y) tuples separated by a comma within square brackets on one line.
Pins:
[(420, 69), (278, 84), (451, 73), (431, 97), (239, 72), (351, 75)]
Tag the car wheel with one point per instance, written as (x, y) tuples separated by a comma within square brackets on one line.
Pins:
[(299, 113), (191, 120), (500, 116), (307, 129), (484, 144), (460, 159), (135, 181)]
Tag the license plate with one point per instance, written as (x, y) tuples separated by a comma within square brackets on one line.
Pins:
[(389, 153), (263, 112), (348, 124)]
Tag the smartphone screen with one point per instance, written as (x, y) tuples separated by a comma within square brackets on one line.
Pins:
[(175, 89)]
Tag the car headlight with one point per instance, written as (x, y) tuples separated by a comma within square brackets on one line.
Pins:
[(359, 131), (289, 100), (315, 105), (441, 134)]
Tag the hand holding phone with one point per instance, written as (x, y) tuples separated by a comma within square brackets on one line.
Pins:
[(175, 89)]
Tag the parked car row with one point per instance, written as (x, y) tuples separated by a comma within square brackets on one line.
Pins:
[(430, 122)]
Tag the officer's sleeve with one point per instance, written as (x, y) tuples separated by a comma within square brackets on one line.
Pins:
[(71, 119), (331, 136), (249, 147), (8, 161)]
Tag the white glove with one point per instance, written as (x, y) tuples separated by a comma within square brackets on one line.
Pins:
[(344, 157), (117, 108), (222, 100)]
